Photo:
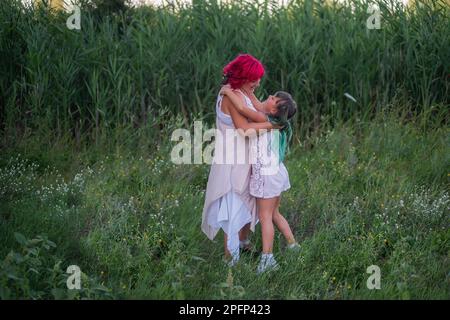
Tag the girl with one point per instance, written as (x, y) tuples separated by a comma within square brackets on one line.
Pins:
[(269, 176)]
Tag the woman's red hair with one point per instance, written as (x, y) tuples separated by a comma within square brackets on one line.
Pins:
[(242, 69)]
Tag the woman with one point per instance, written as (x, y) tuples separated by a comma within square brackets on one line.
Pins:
[(228, 203)]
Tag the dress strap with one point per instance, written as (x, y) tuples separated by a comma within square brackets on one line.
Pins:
[(247, 101), (223, 117)]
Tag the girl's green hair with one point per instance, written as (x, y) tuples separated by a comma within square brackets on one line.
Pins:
[(286, 110)]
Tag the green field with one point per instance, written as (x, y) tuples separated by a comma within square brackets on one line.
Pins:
[(86, 178)]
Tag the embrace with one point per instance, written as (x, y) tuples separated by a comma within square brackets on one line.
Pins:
[(238, 196)]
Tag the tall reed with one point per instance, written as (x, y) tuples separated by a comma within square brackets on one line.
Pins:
[(140, 67)]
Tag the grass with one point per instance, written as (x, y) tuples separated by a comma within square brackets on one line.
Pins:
[(85, 171), (363, 193)]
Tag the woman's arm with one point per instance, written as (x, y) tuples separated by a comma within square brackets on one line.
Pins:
[(241, 122), (239, 104)]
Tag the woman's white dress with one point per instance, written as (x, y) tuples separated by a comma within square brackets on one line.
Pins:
[(232, 210)]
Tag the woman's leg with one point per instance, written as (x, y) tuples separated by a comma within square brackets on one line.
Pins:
[(282, 223), (244, 242), (265, 212), (244, 232), (227, 252)]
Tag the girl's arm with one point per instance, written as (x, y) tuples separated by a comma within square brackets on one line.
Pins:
[(239, 104), (241, 122), (256, 103)]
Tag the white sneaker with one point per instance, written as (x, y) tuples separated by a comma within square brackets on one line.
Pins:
[(244, 243), (267, 263), (245, 246)]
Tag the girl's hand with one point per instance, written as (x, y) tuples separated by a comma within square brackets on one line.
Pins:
[(225, 90), (248, 93), (277, 126)]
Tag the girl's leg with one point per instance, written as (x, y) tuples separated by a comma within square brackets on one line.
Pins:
[(282, 223), (265, 211)]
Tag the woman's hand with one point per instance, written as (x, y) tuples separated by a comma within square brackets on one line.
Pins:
[(225, 90)]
